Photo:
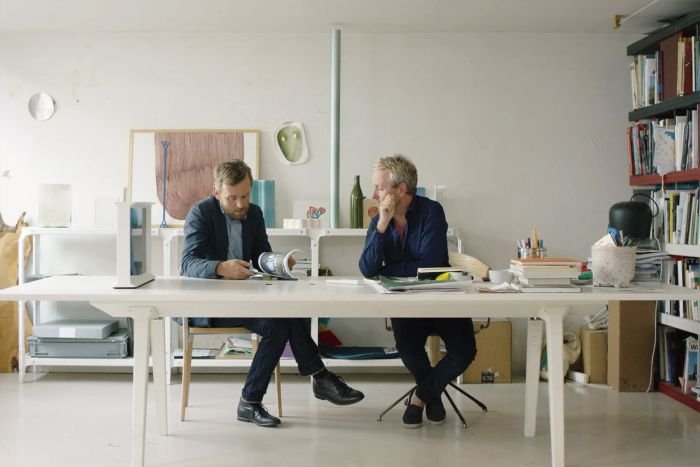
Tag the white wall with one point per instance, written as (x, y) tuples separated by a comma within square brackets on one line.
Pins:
[(526, 131)]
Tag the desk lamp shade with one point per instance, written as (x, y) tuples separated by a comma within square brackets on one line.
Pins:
[(633, 218)]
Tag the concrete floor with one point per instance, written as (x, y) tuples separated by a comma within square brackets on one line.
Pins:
[(63, 419)]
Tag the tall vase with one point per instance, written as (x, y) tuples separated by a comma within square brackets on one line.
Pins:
[(356, 205), (263, 194)]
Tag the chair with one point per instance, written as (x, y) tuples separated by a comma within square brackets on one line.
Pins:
[(188, 334), (477, 269)]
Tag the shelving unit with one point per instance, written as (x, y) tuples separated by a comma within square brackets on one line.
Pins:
[(25, 360), (689, 25), (171, 238)]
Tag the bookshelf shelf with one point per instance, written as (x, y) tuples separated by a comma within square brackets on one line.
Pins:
[(684, 176), (675, 393), (666, 108), (679, 323)]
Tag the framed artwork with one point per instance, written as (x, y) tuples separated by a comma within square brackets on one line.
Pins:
[(174, 169)]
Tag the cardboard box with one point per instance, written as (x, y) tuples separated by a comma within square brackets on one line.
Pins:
[(493, 361), (630, 345), (594, 351)]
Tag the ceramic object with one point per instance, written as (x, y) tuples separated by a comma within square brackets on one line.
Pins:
[(613, 265), (500, 276)]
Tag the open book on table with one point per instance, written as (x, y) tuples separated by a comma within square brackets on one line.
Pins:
[(275, 264)]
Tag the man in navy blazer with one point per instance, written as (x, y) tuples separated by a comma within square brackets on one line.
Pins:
[(222, 234)]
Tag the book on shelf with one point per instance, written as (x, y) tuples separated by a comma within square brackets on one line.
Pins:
[(690, 365)]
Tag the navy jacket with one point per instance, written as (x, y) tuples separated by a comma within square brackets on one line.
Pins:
[(424, 243), (206, 241)]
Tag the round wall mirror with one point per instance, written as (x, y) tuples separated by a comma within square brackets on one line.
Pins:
[(41, 106)]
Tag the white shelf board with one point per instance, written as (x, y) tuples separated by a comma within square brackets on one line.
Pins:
[(679, 323), (290, 363), (67, 231), (106, 362), (682, 250)]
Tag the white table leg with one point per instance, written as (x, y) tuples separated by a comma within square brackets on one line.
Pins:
[(21, 350), (159, 378), (142, 322), (532, 374), (554, 323)]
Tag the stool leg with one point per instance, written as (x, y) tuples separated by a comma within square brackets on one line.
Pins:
[(474, 399), (410, 391), (278, 387), (186, 373), (454, 406)]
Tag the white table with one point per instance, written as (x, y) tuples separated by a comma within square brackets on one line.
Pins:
[(174, 297)]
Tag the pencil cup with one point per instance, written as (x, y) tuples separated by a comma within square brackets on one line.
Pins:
[(613, 265), (532, 252)]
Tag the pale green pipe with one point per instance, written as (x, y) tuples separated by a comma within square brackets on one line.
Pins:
[(334, 206)]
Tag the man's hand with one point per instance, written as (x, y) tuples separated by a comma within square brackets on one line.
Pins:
[(234, 269), (291, 263), (386, 212)]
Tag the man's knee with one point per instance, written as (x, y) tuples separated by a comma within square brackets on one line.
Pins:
[(274, 329)]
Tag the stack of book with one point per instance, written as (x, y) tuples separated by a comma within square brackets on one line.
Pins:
[(546, 274)]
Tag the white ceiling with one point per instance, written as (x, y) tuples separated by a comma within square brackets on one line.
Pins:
[(311, 16)]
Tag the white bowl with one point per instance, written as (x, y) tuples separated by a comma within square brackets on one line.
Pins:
[(499, 276)]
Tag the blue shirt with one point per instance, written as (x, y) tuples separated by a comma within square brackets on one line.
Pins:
[(424, 242)]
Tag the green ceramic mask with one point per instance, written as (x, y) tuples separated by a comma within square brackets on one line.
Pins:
[(292, 143)]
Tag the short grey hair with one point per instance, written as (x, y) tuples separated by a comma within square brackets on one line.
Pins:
[(401, 170), (232, 173)]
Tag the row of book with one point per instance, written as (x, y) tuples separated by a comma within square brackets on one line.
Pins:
[(678, 359), (684, 272), (674, 70), (663, 146), (678, 221)]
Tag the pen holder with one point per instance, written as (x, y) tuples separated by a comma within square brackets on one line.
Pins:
[(540, 252), (613, 265)]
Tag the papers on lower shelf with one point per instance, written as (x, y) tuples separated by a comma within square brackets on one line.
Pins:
[(236, 347), (412, 285)]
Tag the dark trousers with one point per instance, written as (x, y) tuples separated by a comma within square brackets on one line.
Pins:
[(275, 332), (411, 335)]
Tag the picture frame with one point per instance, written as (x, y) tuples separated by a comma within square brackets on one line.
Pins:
[(190, 155)]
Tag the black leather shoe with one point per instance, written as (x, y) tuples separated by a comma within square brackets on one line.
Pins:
[(255, 412), (435, 411), (332, 388)]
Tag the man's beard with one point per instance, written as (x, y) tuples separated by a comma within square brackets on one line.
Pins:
[(237, 214)]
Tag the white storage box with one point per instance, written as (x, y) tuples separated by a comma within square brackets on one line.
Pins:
[(114, 346), (76, 329)]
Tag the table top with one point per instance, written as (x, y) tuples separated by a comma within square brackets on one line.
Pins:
[(179, 296)]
